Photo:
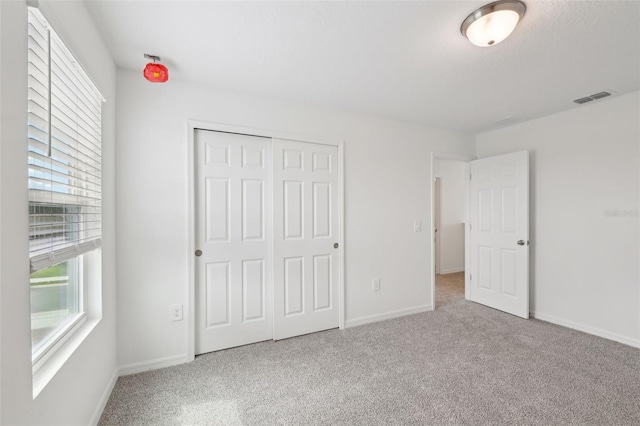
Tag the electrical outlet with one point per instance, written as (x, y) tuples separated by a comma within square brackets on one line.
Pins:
[(417, 226), (175, 312), (376, 284)]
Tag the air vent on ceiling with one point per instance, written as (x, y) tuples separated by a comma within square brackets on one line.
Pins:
[(600, 95), (582, 100), (593, 97), (506, 121)]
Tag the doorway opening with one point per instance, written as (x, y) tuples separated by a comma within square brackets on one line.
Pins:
[(447, 210), (449, 213), (494, 231)]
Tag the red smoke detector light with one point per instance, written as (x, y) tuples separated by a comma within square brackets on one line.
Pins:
[(155, 73)]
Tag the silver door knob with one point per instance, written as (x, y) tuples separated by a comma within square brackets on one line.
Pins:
[(336, 245), (198, 253), (520, 242)]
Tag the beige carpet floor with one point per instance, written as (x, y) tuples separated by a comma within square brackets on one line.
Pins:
[(449, 289), (462, 364)]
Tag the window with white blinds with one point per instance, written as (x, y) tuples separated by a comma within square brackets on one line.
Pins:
[(65, 174)]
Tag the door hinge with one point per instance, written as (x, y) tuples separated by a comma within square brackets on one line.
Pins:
[(470, 175), (470, 227), (470, 277)]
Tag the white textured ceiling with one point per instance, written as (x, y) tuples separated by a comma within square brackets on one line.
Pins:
[(402, 60)]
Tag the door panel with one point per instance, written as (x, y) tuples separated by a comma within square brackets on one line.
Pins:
[(293, 285), (321, 282), (217, 293), (253, 289), (499, 219), (306, 264), (321, 210), (293, 224), (216, 209), (252, 209), (233, 228)]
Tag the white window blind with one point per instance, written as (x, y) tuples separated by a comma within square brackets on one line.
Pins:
[(65, 177)]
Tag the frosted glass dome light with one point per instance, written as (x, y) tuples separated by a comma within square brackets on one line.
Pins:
[(493, 22)]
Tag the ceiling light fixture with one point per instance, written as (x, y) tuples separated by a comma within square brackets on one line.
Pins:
[(493, 22), (155, 73)]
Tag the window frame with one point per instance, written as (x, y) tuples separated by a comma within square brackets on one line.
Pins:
[(43, 350), (66, 337)]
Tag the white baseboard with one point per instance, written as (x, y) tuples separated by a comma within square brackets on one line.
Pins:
[(451, 270), (104, 398), (586, 329), (153, 364), (387, 315)]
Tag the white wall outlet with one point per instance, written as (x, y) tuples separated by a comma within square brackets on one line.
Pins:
[(417, 226), (175, 312), (376, 284)]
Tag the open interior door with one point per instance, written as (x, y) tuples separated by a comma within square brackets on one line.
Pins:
[(499, 233)]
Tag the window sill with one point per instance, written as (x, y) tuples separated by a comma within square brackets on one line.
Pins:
[(51, 344), (44, 371)]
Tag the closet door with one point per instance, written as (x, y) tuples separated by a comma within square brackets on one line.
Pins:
[(233, 240), (306, 228)]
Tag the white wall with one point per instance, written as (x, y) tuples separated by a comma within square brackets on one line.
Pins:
[(453, 194), (72, 396), (387, 188), (584, 264)]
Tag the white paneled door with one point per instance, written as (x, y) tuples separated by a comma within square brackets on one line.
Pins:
[(233, 238), (306, 237), (499, 233)]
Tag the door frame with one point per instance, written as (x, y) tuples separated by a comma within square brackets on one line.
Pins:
[(455, 157), (192, 126), (437, 208)]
